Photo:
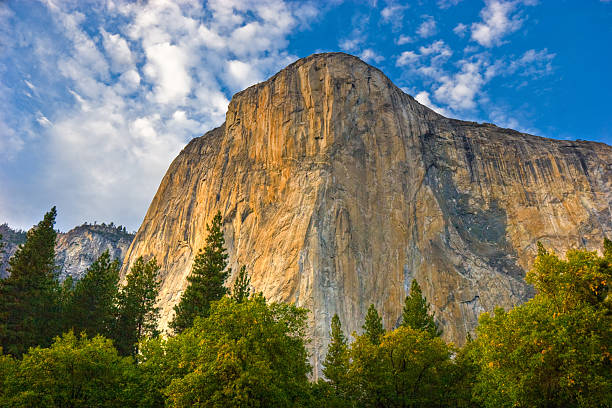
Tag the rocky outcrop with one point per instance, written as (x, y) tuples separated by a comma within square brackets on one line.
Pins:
[(11, 239), (76, 249), (338, 189)]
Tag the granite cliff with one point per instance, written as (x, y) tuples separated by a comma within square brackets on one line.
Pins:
[(11, 239), (76, 249), (338, 189)]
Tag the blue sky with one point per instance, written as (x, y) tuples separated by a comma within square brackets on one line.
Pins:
[(97, 98)]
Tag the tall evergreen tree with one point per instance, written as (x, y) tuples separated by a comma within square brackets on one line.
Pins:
[(206, 280), (29, 297), (137, 310), (65, 304), (241, 290), (336, 364), (93, 302), (373, 326), (416, 312)]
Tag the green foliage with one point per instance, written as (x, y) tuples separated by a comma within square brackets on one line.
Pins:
[(373, 327), (584, 278), (73, 372), (8, 366), (29, 297), (407, 369), (137, 310), (336, 366), (242, 289), (244, 354), (553, 351), (416, 312), (206, 280), (93, 303)]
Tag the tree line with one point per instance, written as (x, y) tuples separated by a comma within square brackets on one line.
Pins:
[(94, 342)]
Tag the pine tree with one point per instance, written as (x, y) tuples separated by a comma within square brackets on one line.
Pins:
[(416, 312), (206, 280), (336, 364), (94, 298), (29, 297), (241, 289), (137, 310), (373, 326), (65, 304)]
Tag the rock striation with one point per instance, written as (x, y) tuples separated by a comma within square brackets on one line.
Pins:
[(338, 189), (76, 249)]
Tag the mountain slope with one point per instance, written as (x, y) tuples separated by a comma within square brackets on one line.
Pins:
[(338, 189), (76, 249)]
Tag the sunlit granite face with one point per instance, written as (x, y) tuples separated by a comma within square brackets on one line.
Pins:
[(338, 189)]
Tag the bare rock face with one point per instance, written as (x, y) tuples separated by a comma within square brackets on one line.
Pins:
[(338, 189), (11, 239), (78, 248), (75, 250)]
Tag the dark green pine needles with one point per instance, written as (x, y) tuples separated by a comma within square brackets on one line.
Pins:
[(206, 280), (137, 312), (93, 302), (373, 327), (336, 364), (416, 313), (29, 297)]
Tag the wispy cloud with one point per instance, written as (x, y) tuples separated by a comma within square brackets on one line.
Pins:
[(499, 18), (152, 76), (424, 99), (370, 55), (428, 27)]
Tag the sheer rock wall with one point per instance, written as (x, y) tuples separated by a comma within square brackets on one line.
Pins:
[(338, 189)]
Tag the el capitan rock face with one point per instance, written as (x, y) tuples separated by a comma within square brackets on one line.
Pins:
[(338, 189)]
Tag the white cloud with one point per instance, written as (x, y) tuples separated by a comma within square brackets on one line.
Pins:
[(242, 74), (404, 39), (43, 121), (459, 90), (460, 29), (499, 18), (134, 95), (443, 4), (532, 63), (394, 13), (167, 67), (118, 51), (10, 142), (406, 58), (423, 98), (370, 55), (427, 27), (350, 44)]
